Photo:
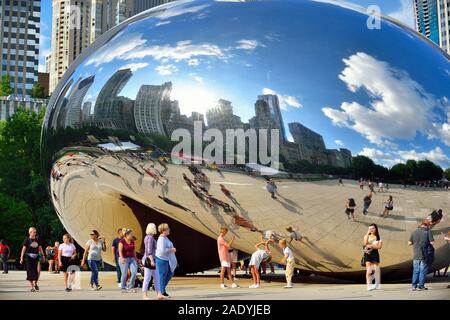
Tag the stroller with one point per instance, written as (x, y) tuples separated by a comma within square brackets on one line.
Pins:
[(139, 282)]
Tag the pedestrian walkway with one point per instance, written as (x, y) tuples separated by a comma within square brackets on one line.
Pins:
[(206, 287)]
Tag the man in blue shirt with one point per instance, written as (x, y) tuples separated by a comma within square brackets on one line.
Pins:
[(115, 253)]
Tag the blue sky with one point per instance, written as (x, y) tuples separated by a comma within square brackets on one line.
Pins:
[(400, 112), (400, 9)]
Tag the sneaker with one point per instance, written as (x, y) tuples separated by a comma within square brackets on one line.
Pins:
[(36, 287), (33, 290), (256, 286), (119, 285), (223, 286), (422, 289), (165, 294), (132, 291), (252, 286), (413, 289), (234, 286), (92, 287), (124, 290), (68, 289), (288, 286), (98, 288)]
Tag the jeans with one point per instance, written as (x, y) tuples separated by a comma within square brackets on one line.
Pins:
[(118, 270), (164, 272), (132, 265), (420, 270), (366, 208), (94, 265), (4, 258)]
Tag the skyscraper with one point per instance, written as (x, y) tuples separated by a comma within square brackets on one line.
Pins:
[(19, 42), (426, 19), (444, 24), (70, 35), (275, 112), (221, 117), (148, 108)]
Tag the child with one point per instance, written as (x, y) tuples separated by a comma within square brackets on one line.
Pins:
[(294, 235), (259, 256), (289, 260)]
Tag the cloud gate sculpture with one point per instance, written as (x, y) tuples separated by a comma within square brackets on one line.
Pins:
[(180, 114)]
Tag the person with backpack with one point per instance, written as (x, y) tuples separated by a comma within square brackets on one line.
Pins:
[(50, 254), (388, 206), (423, 254), (350, 208), (4, 255), (367, 202)]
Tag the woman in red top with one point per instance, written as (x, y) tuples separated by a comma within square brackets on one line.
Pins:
[(127, 254)]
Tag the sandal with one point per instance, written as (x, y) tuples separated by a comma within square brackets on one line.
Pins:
[(33, 289)]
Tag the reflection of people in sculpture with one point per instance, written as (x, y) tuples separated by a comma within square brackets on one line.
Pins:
[(175, 204), (435, 217), (294, 235), (228, 194), (242, 222), (160, 180)]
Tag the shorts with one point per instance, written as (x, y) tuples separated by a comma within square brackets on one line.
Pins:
[(66, 263), (389, 208), (225, 264)]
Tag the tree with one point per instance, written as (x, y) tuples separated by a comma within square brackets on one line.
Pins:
[(15, 217), (399, 172), (5, 85), (362, 167), (20, 171), (37, 91), (447, 173)]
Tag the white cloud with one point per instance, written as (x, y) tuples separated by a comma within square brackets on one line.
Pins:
[(435, 155), (162, 23), (44, 50), (135, 66), (166, 70), (399, 106), (339, 143), (391, 158), (285, 100), (404, 13), (246, 44)]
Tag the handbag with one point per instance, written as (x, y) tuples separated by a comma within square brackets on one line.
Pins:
[(363, 262), (367, 251), (148, 264)]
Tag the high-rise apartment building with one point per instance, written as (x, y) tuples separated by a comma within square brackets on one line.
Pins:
[(444, 24), (432, 19), (70, 35), (142, 5), (19, 42)]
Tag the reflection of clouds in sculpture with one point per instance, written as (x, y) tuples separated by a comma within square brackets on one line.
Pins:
[(116, 48), (339, 142), (180, 10), (246, 44), (135, 66), (285, 100), (166, 70), (399, 107)]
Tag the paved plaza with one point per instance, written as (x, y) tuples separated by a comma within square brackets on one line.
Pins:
[(206, 287)]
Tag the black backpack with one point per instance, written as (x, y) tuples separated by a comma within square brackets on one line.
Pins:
[(428, 251)]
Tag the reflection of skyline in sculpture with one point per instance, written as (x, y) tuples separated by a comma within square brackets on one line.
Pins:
[(75, 100), (149, 106), (361, 93), (106, 104)]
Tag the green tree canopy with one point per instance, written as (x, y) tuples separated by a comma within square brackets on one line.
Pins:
[(5, 85), (20, 174), (37, 91)]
